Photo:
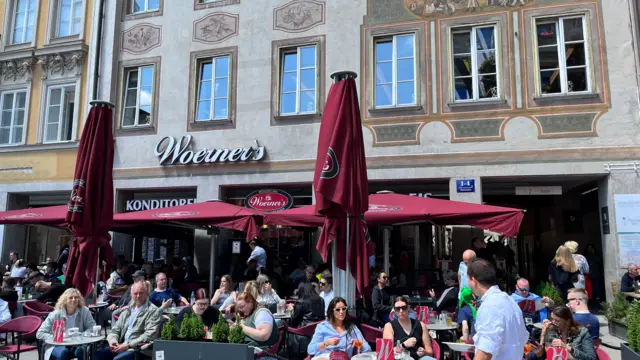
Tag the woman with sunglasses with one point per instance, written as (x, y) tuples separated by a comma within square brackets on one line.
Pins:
[(412, 334), (336, 333), (564, 332), (267, 297), (201, 307), (381, 300)]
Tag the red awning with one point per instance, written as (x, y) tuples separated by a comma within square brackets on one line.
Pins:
[(49, 215), (214, 213), (389, 209)]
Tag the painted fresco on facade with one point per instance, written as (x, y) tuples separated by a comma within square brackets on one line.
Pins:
[(431, 8)]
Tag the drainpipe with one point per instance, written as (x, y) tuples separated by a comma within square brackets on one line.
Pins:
[(98, 44)]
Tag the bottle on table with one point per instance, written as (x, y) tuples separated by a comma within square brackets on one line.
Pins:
[(193, 298)]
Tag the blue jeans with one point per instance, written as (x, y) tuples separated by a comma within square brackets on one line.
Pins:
[(427, 358), (64, 353), (106, 354)]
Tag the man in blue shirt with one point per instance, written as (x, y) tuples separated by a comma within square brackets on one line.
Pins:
[(522, 293), (161, 293), (577, 301), (467, 257)]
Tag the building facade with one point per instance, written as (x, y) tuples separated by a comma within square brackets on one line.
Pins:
[(524, 103), (44, 55)]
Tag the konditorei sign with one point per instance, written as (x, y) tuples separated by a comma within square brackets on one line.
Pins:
[(137, 205), (178, 152), (268, 200)]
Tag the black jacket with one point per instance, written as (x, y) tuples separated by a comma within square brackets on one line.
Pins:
[(52, 294), (209, 316), (381, 301), (626, 285), (308, 311), (448, 299)]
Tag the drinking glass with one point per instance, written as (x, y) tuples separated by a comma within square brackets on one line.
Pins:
[(282, 305), (96, 330)]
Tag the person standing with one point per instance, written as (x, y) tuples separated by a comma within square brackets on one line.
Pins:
[(467, 257), (581, 262), (259, 255), (563, 270), (500, 330)]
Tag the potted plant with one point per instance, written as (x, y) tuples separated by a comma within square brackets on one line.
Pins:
[(631, 350), (616, 313), (190, 343), (547, 289)]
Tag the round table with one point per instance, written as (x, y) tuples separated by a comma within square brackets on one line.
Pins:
[(282, 316), (174, 310), (77, 341), (424, 301), (443, 327), (456, 350), (365, 356)]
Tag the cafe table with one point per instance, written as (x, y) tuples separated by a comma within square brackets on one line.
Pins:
[(439, 327), (78, 341), (173, 310)]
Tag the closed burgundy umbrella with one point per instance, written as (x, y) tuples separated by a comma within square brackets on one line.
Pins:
[(340, 179), (90, 209)]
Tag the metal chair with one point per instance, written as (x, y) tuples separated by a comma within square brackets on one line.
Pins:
[(37, 308), (436, 349), (23, 327), (370, 333)]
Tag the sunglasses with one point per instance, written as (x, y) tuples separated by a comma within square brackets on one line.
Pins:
[(384, 277), (323, 283), (340, 309), (403, 308), (523, 289), (572, 299), (267, 282)]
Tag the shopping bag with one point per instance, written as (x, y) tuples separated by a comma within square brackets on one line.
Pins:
[(384, 349), (556, 353), (58, 331)]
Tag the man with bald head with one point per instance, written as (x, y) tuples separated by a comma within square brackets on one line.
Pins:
[(467, 257), (522, 293), (138, 324)]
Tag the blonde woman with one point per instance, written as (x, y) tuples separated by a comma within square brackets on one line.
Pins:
[(267, 297), (563, 271), (250, 286), (71, 309), (581, 262)]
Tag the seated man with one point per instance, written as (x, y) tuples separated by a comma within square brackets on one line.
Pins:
[(50, 292), (162, 293), (629, 279), (449, 297), (136, 325), (577, 301), (116, 284), (523, 293)]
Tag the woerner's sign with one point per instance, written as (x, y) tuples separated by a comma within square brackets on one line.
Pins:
[(137, 205), (178, 152)]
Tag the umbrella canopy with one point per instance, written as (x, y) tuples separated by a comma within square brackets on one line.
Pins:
[(340, 178), (389, 209), (90, 208), (49, 215), (214, 213)]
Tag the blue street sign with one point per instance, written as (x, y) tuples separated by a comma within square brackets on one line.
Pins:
[(466, 185)]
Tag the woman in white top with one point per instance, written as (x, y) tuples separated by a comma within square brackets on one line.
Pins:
[(267, 297), (19, 270), (224, 292), (581, 261)]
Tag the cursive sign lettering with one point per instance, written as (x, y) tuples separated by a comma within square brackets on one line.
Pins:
[(172, 152)]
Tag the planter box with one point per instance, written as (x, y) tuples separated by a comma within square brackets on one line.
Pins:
[(195, 350), (627, 354), (618, 329)]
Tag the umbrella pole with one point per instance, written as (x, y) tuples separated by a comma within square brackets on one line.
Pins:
[(212, 262), (95, 287), (347, 281)]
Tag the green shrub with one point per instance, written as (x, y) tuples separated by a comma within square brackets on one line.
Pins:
[(236, 336), (192, 328), (633, 326), (170, 331), (547, 289), (220, 331), (618, 309)]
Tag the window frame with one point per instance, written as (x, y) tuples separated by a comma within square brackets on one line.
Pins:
[(127, 72), (58, 17), (146, 8), (298, 92), (212, 99), (45, 113), (394, 72), (558, 20), (14, 17), (278, 47), (474, 62), (128, 14), (15, 91)]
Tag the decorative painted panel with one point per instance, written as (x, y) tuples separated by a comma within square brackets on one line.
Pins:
[(141, 38), (485, 128), (298, 16), (567, 123), (215, 27), (396, 133)]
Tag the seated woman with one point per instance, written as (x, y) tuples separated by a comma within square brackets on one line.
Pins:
[(258, 324), (308, 309), (412, 334), (70, 308), (267, 297), (207, 313), (467, 313), (564, 332), (250, 287), (336, 333), (224, 292)]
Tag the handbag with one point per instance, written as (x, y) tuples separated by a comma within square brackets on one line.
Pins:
[(338, 355)]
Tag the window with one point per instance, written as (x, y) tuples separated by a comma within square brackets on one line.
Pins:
[(213, 89), (12, 117), (140, 6), (298, 81), (395, 72), (60, 113), (69, 18), (563, 64), (138, 97), (24, 17), (475, 73)]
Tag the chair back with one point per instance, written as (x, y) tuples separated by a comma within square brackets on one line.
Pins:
[(436, 349), (24, 325), (307, 330), (282, 328), (370, 333), (36, 308), (601, 354)]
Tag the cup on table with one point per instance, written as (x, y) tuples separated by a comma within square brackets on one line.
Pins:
[(282, 305), (73, 332), (96, 330)]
